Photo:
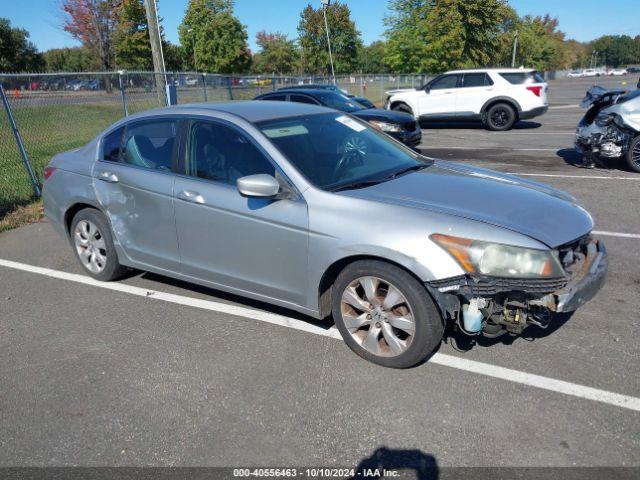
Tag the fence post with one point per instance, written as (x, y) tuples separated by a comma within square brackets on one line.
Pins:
[(23, 152), (230, 85), (122, 95), (204, 86)]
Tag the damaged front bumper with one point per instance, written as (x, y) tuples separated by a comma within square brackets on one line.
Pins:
[(510, 305), (607, 142)]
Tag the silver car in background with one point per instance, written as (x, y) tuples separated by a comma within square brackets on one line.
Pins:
[(312, 209)]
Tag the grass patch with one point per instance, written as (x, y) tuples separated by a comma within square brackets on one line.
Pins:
[(30, 213), (46, 130)]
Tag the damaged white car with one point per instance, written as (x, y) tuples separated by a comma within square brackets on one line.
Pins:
[(611, 126)]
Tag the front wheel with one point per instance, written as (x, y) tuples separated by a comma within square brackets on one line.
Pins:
[(385, 315), (500, 117), (633, 155)]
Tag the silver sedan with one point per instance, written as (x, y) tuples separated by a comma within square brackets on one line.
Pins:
[(314, 210)]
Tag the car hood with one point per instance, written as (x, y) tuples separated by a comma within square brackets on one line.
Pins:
[(530, 208), (383, 115), (399, 90)]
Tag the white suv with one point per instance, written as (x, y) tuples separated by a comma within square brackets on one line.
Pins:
[(499, 97)]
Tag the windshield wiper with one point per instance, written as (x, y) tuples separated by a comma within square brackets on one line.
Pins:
[(355, 185), (412, 168)]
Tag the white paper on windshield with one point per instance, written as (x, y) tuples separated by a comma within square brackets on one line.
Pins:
[(351, 123), (286, 131)]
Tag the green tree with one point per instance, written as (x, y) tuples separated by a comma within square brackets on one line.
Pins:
[(617, 50), (345, 39), (17, 53), (131, 38), (76, 59), (220, 40), (277, 54), (173, 56), (372, 58), (540, 43), (437, 35)]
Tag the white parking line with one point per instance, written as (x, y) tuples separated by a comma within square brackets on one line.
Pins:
[(560, 107), (616, 234), (589, 177), (559, 386)]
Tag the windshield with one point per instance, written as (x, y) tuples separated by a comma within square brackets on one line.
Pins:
[(335, 151), (338, 101)]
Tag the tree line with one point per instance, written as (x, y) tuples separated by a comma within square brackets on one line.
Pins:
[(421, 36)]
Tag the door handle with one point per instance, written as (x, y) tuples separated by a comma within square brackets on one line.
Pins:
[(190, 196), (108, 177)]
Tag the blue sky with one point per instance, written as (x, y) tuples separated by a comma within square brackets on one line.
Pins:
[(580, 19)]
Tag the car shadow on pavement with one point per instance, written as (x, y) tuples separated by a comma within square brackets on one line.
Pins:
[(407, 463), (477, 125), (224, 297), (574, 158), (462, 342)]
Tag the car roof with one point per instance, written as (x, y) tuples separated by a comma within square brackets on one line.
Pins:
[(494, 70), (252, 111), (310, 91)]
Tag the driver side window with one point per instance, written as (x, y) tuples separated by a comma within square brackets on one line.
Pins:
[(222, 154), (446, 81)]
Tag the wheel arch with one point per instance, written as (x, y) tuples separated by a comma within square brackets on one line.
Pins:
[(508, 100), (73, 209), (331, 274), (395, 103)]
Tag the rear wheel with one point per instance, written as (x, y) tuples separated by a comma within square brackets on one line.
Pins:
[(402, 107), (633, 155), (385, 315), (93, 245), (500, 117)]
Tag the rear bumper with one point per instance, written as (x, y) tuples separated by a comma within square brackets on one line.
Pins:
[(536, 112), (586, 283)]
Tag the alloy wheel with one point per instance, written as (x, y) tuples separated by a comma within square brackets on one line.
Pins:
[(90, 246), (500, 117), (378, 316)]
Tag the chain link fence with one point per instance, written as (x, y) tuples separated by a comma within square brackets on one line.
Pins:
[(62, 111)]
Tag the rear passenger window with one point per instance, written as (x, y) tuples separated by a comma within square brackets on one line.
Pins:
[(149, 144), (275, 98), (111, 146), (303, 99), (476, 80), (520, 78), (220, 153)]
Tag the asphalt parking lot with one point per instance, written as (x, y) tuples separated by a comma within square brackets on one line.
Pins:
[(151, 371)]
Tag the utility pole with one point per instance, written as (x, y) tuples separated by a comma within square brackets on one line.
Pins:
[(156, 50), (325, 5), (515, 46)]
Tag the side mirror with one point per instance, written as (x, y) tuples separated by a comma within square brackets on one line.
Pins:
[(427, 89), (260, 185)]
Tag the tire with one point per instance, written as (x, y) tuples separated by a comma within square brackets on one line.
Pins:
[(90, 232), (500, 117), (408, 345), (633, 155), (402, 107)]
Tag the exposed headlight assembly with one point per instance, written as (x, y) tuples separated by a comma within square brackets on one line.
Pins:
[(498, 260), (386, 126)]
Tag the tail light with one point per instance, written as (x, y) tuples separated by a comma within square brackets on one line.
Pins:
[(48, 171), (535, 89)]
